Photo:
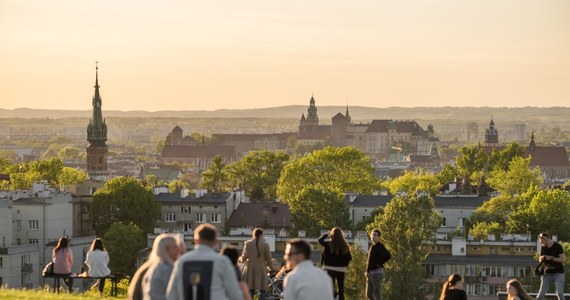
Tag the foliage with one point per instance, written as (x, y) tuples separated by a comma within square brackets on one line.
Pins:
[(123, 243), (482, 230), (17, 294), (408, 222), (258, 172), (314, 209), (448, 174), (215, 178), (149, 180), (500, 160), (355, 283), (413, 182), (497, 210), (344, 169), (122, 288), (470, 160), (176, 186), (48, 169), (7, 156), (23, 181), (192, 180), (70, 176), (516, 179), (71, 153), (547, 211), (124, 199)]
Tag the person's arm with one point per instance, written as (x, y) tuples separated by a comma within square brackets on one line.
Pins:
[(245, 253), (384, 256), (175, 289), (323, 238)]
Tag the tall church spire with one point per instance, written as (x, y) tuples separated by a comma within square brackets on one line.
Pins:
[(97, 136)]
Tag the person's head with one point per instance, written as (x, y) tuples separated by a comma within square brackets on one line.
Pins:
[(338, 243), (206, 234), (257, 233), (454, 281), (165, 248), (297, 251), (62, 243), (375, 236), (181, 245), (514, 289), (231, 253), (97, 244), (545, 239)]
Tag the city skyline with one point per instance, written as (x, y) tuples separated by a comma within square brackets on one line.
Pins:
[(207, 56)]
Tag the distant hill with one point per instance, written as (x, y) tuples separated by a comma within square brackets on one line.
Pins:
[(559, 114)]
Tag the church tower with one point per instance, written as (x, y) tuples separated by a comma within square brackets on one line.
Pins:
[(491, 135), (97, 136)]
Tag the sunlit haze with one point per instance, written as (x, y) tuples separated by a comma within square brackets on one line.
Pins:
[(205, 55)]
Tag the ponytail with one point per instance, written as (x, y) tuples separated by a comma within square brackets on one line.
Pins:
[(257, 232), (451, 281)]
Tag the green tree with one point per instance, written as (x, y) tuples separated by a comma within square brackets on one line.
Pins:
[(176, 186), (124, 199), (516, 179), (258, 172), (500, 160), (23, 181), (49, 169), (547, 211), (7, 156), (344, 169), (471, 159), (123, 243), (215, 179), (409, 222), (448, 174), (70, 176), (355, 283), (482, 230), (414, 182), (314, 209), (71, 153)]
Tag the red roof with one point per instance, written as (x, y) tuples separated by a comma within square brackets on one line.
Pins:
[(548, 156)]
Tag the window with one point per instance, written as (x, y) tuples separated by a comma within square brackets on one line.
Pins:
[(216, 218), (200, 218), (170, 217), (460, 222), (18, 224), (18, 241), (492, 250), (444, 222), (1, 262), (185, 209), (33, 241), (33, 225), (185, 227)]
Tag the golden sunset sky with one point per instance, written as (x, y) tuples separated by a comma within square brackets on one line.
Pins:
[(205, 55)]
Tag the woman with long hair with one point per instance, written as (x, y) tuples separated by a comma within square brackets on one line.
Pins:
[(257, 259), (453, 288), (233, 255), (335, 258), (162, 257), (97, 260), (515, 291), (62, 258)]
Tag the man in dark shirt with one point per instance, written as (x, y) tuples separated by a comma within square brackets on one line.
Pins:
[(378, 255), (552, 254)]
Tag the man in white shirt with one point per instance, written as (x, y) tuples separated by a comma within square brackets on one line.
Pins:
[(203, 273), (305, 282)]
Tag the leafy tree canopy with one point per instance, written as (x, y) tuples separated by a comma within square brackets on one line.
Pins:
[(123, 242)]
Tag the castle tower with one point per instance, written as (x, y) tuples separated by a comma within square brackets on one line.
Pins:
[(491, 135), (97, 136)]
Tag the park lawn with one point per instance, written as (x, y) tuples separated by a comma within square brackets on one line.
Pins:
[(11, 294)]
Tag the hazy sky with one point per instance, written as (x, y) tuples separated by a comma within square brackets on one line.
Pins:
[(190, 55)]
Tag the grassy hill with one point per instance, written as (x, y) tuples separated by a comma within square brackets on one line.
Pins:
[(9, 294)]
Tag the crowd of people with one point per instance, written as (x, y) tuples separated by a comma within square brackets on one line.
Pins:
[(173, 273)]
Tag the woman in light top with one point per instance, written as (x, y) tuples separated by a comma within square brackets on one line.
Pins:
[(97, 260), (516, 291), (164, 253), (62, 258)]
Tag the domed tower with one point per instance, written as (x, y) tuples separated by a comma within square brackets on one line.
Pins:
[(97, 149), (491, 135)]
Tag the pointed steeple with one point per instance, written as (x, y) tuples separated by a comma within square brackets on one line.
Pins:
[(347, 115), (532, 145), (97, 129)]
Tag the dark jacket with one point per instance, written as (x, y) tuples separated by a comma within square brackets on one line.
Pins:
[(378, 255), (331, 259)]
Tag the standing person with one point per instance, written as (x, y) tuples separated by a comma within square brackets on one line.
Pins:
[(62, 258), (305, 281), (453, 288), (256, 258), (378, 255), (335, 258), (202, 273), (552, 254), (97, 260), (162, 260), (516, 291), (233, 255)]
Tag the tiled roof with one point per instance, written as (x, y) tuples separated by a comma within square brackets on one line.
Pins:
[(183, 151), (253, 214), (400, 126), (548, 156)]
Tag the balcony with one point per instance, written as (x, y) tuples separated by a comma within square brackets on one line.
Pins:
[(27, 268)]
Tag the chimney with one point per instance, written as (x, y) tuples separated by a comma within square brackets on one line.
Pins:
[(183, 193)]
